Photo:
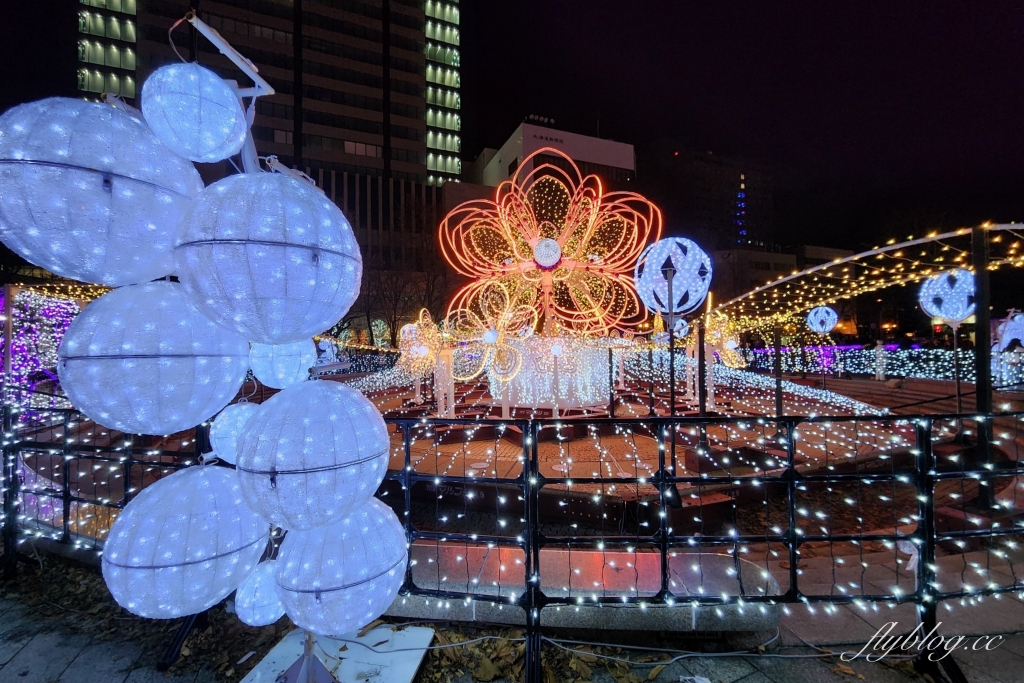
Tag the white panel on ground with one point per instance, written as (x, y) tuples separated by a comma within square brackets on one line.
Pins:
[(380, 656)]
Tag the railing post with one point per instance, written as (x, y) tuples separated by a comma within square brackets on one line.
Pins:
[(792, 538), (11, 485), (982, 361), (533, 599), (663, 541), (777, 342), (65, 488)]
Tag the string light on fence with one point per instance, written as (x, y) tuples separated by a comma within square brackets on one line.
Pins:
[(88, 192)]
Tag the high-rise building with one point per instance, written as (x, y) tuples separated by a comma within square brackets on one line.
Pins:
[(107, 34), (726, 202)]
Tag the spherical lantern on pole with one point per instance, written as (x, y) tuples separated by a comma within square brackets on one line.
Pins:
[(182, 544), (282, 365), (227, 427), (141, 359), (822, 319), (268, 256), (690, 271), (194, 112), (339, 578), (949, 296), (312, 455), (88, 192), (256, 601)]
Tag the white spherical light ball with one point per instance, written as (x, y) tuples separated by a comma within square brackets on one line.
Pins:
[(141, 359), (822, 319), (256, 601), (194, 112), (183, 544), (282, 365), (270, 257), (227, 427), (312, 454), (337, 579), (691, 281), (88, 192), (547, 253)]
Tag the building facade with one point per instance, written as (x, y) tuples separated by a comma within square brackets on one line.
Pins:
[(613, 162)]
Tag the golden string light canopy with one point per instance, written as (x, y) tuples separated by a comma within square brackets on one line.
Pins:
[(780, 300)]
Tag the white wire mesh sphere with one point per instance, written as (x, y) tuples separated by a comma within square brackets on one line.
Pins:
[(822, 319), (691, 281), (183, 544), (194, 112), (88, 192), (227, 427), (141, 359), (948, 296), (256, 601), (270, 257), (337, 579), (282, 365), (312, 454)]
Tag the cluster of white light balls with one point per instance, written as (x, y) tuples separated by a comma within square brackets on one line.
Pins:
[(106, 194)]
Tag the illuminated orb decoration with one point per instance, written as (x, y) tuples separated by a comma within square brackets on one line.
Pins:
[(194, 112), (558, 371), (337, 579), (690, 283), (226, 429), (312, 454), (256, 601), (268, 256), (282, 365), (722, 336), (949, 296), (557, 232), (419, 344), (182, 544), (88, 192), (1010, 330), (501, 313), (680, 328), (142, 360), (822, 320)]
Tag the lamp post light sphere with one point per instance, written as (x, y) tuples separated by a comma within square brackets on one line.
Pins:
[(256, 601), (182, 544), (268, 256), (822, 319), (949, 296), (338, 578), (89, 193), (141, 359), (690, 281), (226, 429), (312, 455), (282, 365), (194, 112)]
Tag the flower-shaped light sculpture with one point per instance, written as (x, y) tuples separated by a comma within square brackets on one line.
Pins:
[(557, 232), (485, 332), (419, 344)]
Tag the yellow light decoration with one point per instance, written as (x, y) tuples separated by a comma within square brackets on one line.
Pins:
[(501, 312), (419, 344), (894, 264), (557, 232), (723, 336)]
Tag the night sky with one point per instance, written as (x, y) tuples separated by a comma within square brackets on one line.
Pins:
[(877, 118)]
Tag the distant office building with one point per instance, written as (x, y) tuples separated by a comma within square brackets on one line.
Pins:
[(721, 201), (809, 256), (343, 124), (613, 162), (737, 271)]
